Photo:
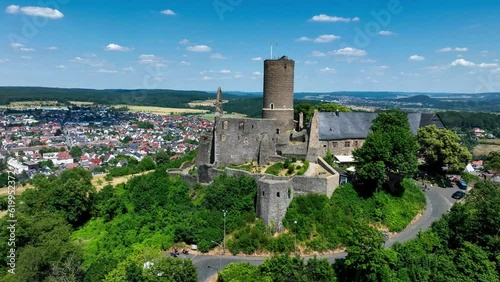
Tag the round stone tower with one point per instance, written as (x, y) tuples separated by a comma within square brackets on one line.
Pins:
[(278, 92)]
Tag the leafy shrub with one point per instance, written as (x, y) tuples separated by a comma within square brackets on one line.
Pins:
[(275, 169), (303, 169), (469, 177)]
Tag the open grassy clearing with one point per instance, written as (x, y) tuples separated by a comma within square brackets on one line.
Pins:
[(116, 180), (485, 149), (490, 141), (160, 110)]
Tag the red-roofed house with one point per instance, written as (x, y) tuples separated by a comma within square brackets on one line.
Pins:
[(63, 158), (73, 165)]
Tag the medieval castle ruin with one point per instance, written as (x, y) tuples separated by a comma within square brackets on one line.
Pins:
[(277, 136)]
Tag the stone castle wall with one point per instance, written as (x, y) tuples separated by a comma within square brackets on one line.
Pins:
[(275, 193), (237, 140)]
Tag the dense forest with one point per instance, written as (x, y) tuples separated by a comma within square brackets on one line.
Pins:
[(68, 231), (468, 120), (140, 97)]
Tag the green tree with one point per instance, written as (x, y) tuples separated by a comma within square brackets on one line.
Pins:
[(76, 152), (493, 161), (319, 270), (71, 195), (308, 109), (389, 152), (283, 268), (441, 147), (367, 260), (162, 157), (44, 249), (146, 164), (240, 272), (126, 139)]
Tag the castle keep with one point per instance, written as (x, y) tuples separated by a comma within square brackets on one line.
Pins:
[(278, 93)]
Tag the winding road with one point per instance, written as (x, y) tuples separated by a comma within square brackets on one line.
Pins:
[(439, 201)]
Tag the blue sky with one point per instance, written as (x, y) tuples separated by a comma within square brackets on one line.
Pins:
[(342, 45)]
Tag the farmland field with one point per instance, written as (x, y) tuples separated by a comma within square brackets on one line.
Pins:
[(486, 146), (231, 115), (29, 104), (80, 103), (160, 110), (205, 103)]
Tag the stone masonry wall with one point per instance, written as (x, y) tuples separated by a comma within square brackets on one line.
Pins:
[(273, 199), (278, 92), (237, 140), (342, 147)]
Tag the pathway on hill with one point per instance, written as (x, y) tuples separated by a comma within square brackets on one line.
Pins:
[(439, 202)]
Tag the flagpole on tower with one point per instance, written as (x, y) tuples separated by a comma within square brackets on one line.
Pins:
[(271, 50)]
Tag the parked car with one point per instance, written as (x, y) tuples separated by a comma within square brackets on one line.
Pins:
[(458, 195), (462, 184)]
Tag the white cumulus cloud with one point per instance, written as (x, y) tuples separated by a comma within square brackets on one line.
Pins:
[(349, 51), (199, 48), (386, 32), (225, 71), (34, 11), (106, 71), (416, 58), (257, 59), (465, 63), (184, 42), (327, 69), (116, 47), (450, 49), (168, 12), (325, 38), (217, 56), (317, 54), (327, 18)]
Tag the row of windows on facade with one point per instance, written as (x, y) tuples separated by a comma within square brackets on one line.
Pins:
[(278, 194), (346, 144), (241, 125)]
